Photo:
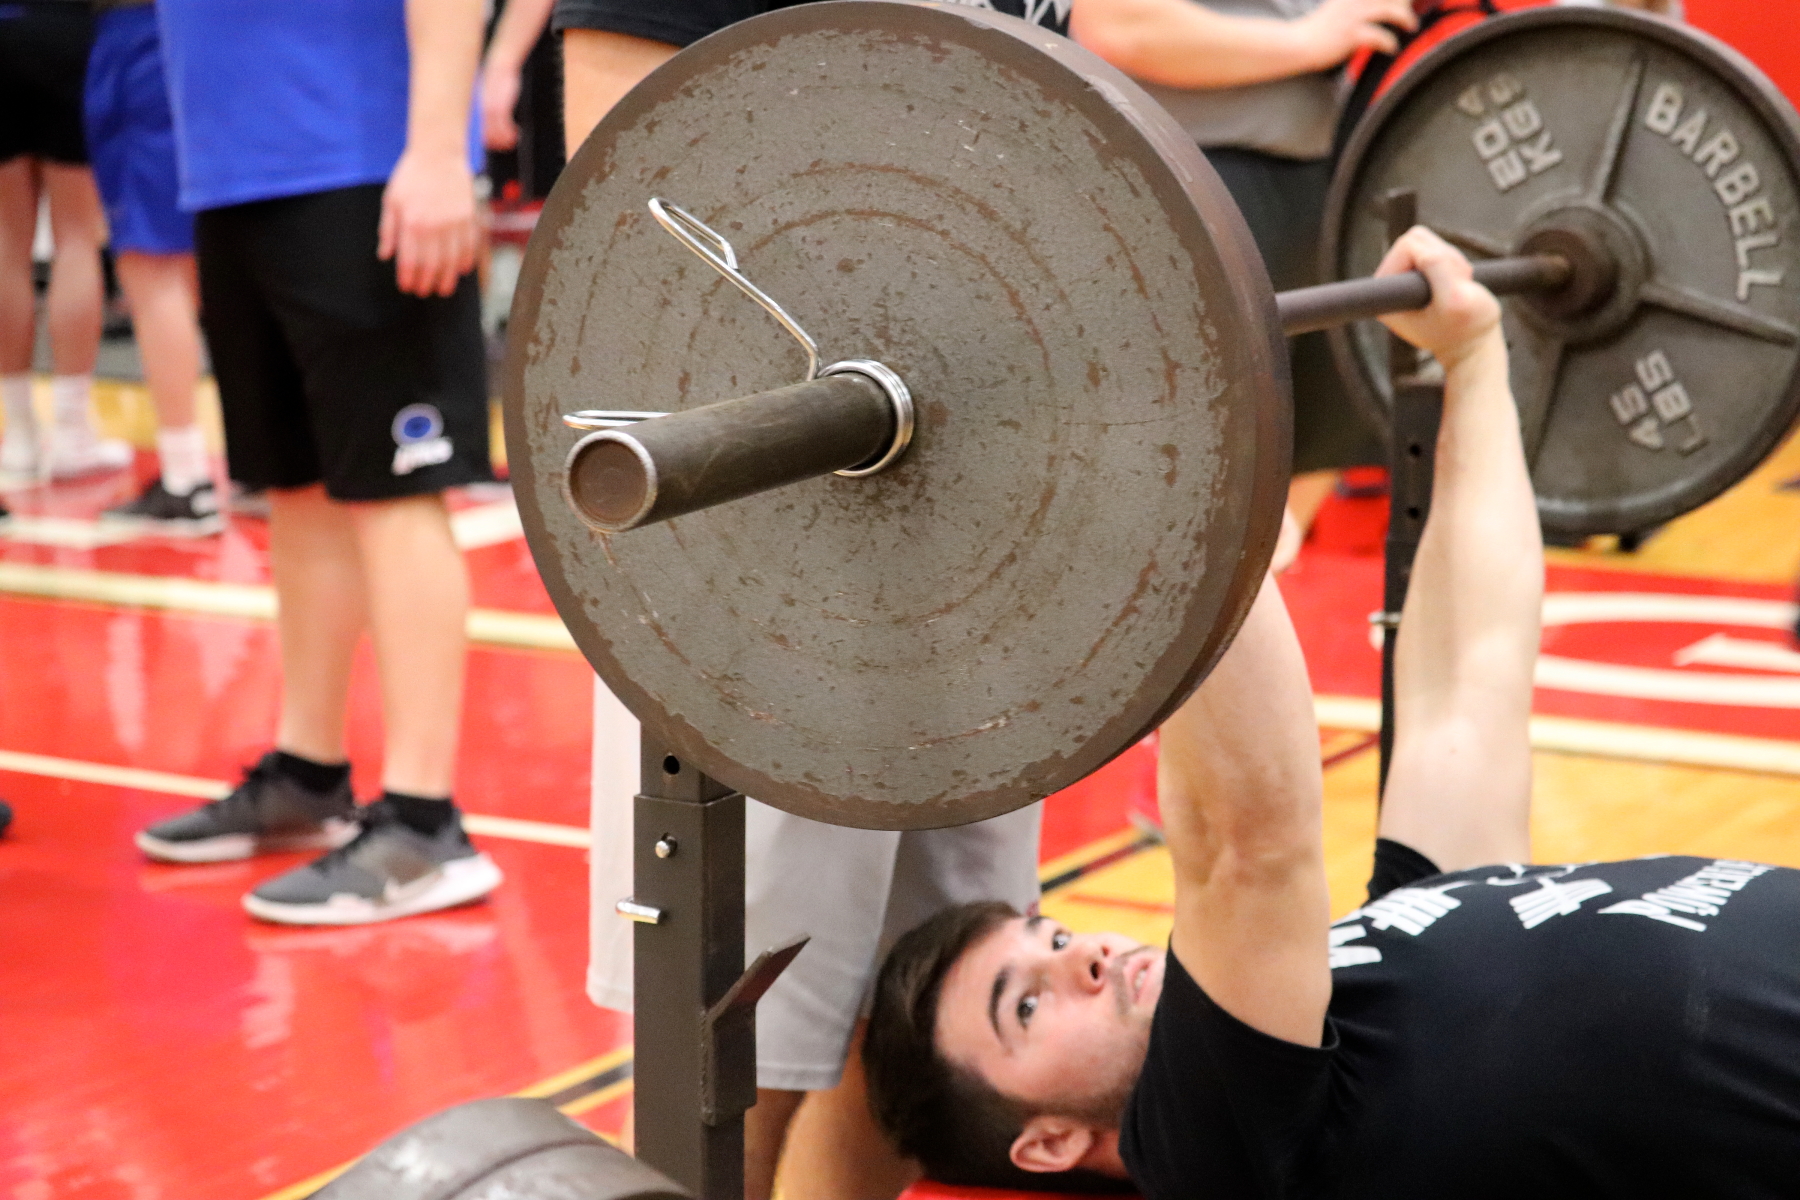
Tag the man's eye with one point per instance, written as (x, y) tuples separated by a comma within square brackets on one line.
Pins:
[(1059, 940), (1027, 1006)]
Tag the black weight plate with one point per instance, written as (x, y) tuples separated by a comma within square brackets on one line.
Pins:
[(1666, 146), (1095, 487)]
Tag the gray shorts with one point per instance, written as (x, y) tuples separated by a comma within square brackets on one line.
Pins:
[(854, 890)]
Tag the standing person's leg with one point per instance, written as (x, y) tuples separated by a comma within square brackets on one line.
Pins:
[(833, 883), (162, 293), (76, 300), (418, 600), (298, 796), (321, 612), (395, 399), (18, 313), (74, 309), (835, 1148), (131, 140)]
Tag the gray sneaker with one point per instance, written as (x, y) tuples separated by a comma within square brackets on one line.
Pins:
[(391, 870), (265, 814)]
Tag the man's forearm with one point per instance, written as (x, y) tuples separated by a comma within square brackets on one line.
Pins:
[(1180, 44), (1459, 788), (521, 24), (444, 41), (1473, 604)]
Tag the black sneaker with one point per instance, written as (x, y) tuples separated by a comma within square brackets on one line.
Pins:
[(391, 870), (266, 813), (160, 511)]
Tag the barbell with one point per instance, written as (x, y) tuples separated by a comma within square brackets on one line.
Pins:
[(856, 418), (1019, 513)]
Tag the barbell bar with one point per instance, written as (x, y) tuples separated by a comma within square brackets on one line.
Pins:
[(855, 418)]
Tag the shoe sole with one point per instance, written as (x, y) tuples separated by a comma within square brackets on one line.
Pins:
[(107, 455), (232, 847), (460, 881)]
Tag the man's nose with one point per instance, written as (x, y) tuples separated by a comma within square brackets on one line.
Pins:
[(1088, 964)]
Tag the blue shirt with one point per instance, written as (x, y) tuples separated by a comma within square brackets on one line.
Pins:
[(283, 99)]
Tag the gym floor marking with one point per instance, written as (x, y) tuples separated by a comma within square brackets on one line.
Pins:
[(544, 832), (481, 525), (486, 626), (1607, 739)]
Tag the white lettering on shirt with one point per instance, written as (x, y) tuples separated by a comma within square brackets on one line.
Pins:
[(1556, 899), (1702, 894), (1351, 956), (1411, 910)]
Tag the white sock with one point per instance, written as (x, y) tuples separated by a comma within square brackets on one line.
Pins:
[(70, 397), (15, 390), (183, 455)]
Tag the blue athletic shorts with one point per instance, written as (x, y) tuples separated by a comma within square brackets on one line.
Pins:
[(130, 137)]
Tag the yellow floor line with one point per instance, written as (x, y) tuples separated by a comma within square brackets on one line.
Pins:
[(605, 1095), (574, 1075), (1608, 739), (198, 597), (1091, 852), (306, 1187), (544, 832)]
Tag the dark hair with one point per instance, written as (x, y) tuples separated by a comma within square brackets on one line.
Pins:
[(954, 1122)]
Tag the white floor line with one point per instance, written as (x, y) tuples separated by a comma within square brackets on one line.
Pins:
[(573, 836), (1607, 739), (487, 524), (67, 533), (479, 525), (125, 777), (545, 832), (487, 626)]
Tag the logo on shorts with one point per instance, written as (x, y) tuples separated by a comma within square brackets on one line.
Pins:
[(419, 439)]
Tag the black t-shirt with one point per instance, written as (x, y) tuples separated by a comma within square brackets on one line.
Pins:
[(1626, 1030), (683, 22)]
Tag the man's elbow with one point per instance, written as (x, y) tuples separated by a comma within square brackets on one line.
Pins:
[(1263, 860)]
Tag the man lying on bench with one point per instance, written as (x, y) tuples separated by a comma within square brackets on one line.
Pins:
[(1620, 1030)]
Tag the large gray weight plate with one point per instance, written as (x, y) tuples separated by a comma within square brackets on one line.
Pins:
[(500, 1149), (1671, 149), (1095, 486)]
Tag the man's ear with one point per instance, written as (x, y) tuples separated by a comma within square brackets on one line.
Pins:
[(1049, 1144)]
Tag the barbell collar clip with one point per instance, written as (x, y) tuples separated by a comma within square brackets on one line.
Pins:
[(717, 253)]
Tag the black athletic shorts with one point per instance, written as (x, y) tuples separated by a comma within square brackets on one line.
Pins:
[(327, 371), (43, 59), (1283, 201)]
